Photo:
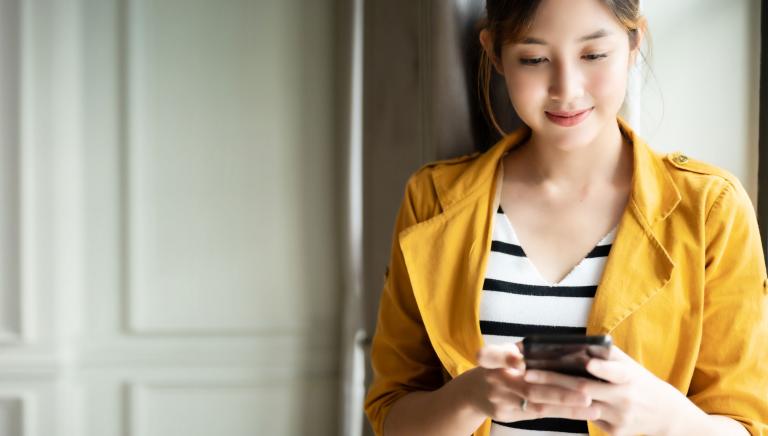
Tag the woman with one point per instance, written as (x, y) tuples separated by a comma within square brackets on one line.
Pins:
[(491, 247)]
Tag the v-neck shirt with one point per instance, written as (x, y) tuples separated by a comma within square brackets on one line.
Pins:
[(516, 301)]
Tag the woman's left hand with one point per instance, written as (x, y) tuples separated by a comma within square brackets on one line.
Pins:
[(634, 401)]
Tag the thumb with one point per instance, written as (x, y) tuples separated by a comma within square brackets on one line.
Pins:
[(500, 356)]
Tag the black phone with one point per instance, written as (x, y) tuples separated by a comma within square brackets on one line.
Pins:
[(566, 354)]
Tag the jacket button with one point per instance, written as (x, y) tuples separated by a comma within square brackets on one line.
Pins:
[(681, 158)]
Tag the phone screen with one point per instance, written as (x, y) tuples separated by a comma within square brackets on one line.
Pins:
[(566, 354)]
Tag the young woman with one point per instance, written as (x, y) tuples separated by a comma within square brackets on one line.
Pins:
[(571, 224)]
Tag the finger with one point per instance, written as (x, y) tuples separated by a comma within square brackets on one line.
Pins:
[(509, 383), (559, 396), (537, 410), (514, 357), (520, 346), (606, 412), (575, 383), (605, 415), (612, 371), (596, 390), (604, 426), (500, 356), (496, 357), (618, 354), (490, 357)]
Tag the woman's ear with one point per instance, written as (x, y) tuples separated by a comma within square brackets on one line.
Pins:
[(637, 40), (486, 40)]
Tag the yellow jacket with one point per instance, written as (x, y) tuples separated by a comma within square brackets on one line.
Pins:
[(684, 290)]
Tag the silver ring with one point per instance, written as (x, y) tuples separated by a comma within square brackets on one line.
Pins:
[(524, 404)]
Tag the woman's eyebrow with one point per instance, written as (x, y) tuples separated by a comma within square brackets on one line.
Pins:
[(594, 35)]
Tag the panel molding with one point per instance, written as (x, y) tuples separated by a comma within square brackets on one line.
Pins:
[(18, 405), (137, 317), (275, 354), (137, 393), (14, 298)]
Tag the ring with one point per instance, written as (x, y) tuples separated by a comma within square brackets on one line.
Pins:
[(524, 404)]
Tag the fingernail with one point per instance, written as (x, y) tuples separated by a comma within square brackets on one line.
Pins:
[(530, 376)]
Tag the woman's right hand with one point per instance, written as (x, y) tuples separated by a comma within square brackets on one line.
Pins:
[(496, 389)]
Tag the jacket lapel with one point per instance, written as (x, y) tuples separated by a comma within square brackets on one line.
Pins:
[(446, 256), (637, 268), (638, 265), (445, 260)]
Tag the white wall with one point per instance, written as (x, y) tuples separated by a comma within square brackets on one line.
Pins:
[(168, 220), (703, 99)]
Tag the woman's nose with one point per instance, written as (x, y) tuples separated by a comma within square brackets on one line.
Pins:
[(566, 82)]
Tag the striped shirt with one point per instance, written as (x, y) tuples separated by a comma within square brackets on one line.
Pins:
[(516, 302)]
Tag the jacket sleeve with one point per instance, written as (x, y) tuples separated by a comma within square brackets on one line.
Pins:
[(731, 373), (402, 356)]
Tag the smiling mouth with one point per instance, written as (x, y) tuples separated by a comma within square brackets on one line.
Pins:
[(568, 119), (568, 114)]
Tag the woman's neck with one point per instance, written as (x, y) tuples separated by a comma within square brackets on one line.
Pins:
[(607, 160)]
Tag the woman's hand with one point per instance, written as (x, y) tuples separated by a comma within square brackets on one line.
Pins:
[(634, 401), (496, 388)]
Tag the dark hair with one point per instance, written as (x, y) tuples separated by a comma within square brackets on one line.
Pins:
[(509, 20)]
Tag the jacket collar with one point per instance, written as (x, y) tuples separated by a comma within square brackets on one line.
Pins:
[(446, 256), (653, 190)]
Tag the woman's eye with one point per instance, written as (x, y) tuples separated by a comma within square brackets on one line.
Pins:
[(532, 61), (595, 56), (540, 60)]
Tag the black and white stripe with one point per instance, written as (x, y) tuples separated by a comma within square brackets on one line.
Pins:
[(517, 301)]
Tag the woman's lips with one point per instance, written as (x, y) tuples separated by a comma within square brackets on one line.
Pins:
[(568, 119)]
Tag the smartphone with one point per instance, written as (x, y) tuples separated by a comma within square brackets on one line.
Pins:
[(566, 354)]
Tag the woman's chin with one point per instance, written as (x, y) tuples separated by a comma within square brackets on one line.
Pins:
[(567, 140)]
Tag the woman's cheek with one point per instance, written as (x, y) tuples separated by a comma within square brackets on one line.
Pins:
[(609, 82), (526, 92)]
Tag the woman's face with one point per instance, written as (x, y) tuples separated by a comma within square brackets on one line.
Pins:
[(567, 78)]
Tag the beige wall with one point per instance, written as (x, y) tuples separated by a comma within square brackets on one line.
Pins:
[(703, 99)]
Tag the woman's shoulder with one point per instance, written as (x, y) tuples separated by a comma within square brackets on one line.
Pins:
[(698, 180), (426, 187), (697, 172), (450, 163), (685, 166), (445, 169)]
